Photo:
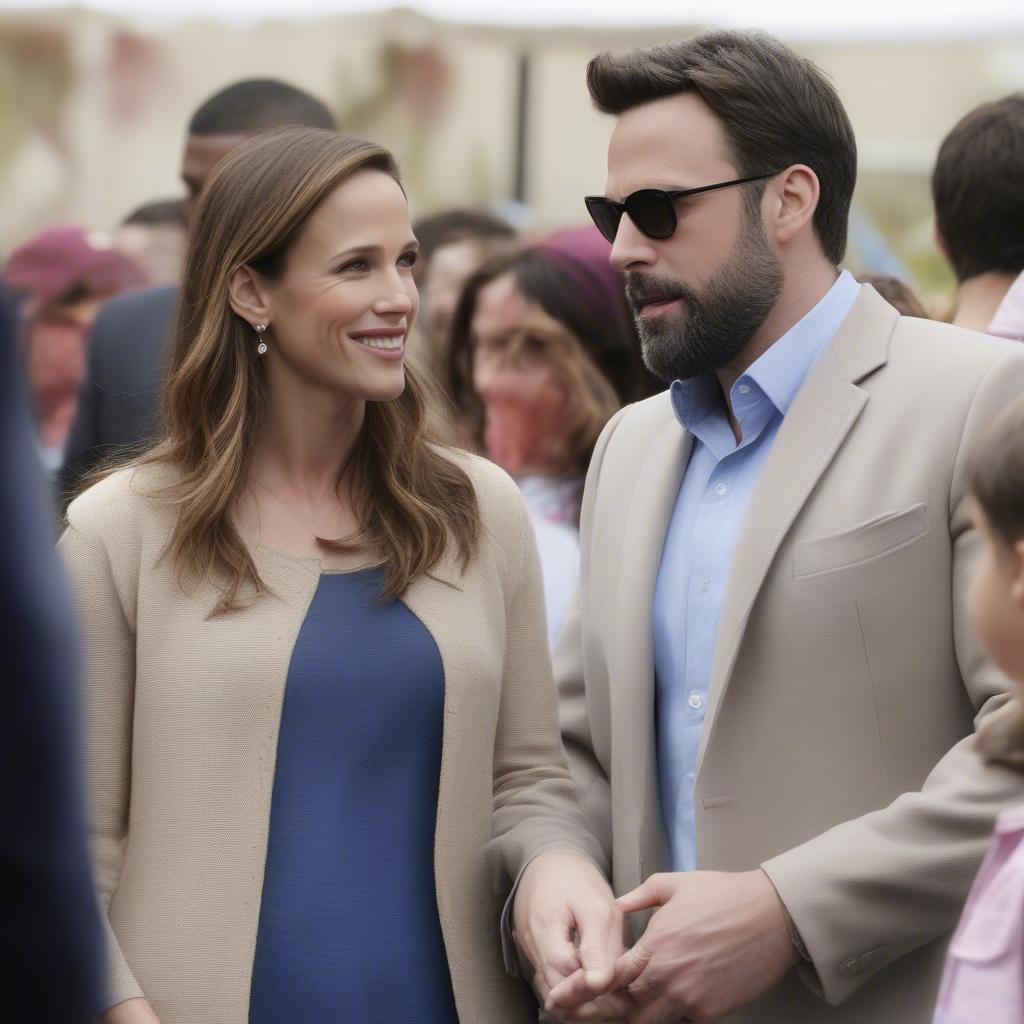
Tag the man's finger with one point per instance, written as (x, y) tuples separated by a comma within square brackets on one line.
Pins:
[(630, 966), (569, 993), (570, 1000), (599, 942), (550, 952), (652, 893), (557, 960)]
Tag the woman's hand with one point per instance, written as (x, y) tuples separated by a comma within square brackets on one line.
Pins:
[(566, 924), (131, 1011)]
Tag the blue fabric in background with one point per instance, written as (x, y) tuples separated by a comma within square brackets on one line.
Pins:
[(51, 944), (349, 929)]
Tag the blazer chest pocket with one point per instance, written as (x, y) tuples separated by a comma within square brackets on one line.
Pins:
[(862, 543)]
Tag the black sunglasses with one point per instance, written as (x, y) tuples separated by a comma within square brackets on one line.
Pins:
[(652, 210)]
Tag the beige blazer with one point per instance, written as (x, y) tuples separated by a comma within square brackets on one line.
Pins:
[(836, 751), (182, 719)]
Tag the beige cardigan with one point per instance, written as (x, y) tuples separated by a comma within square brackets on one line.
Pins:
[(182, 714)]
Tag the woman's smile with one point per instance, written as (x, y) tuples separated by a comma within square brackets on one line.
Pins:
[(384, 342)]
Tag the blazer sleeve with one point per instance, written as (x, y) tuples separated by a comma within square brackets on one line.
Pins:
[(874, 888), (536, 802), (109, 649)]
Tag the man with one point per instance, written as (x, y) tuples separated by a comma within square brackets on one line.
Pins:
[(770, 686), (979, 207), (117, 404), (49, 927)]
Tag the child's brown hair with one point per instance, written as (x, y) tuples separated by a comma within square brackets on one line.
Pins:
[(997, 483)]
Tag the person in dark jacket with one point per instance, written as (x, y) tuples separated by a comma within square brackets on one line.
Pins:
[(49, 926)]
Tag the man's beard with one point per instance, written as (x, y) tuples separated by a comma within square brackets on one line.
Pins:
[(715, 324)]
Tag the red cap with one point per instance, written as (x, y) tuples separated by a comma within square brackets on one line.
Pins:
[(59, 259)]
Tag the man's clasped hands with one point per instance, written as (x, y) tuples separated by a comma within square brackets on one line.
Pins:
[(716, 941)]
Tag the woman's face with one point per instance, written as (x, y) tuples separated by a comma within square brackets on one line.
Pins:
[(534, 380), (450, 268), (340, 314)]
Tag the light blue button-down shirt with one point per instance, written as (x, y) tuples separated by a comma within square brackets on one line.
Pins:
[(701, 538)]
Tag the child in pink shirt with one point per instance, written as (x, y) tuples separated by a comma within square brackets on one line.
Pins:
[(984, 977), (1009, 319)]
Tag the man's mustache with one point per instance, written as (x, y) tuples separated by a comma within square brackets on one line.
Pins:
[(643, 289)]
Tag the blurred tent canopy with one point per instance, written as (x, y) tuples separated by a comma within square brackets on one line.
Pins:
[(795, 18), (482, 104)]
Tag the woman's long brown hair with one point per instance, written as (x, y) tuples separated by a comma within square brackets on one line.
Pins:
[(411, 501)]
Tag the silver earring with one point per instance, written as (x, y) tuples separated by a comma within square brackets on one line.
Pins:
[(261, 348)]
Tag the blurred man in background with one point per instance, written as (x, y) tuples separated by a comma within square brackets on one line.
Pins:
[(117, 407), (154, 236), (978, 189)]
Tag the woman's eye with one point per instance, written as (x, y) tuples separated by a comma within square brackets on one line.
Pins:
[(407, 259), (353, 265)]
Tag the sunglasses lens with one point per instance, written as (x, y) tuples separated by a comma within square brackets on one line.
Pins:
[(605, 216), (652, 212)]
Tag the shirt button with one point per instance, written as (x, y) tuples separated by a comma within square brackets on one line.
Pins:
[(744, 389), (696, 701), (721, 490), (705, 584)]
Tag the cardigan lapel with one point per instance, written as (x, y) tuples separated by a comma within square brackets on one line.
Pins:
[(822, 414)]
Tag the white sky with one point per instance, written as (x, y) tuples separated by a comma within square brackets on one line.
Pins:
[(823, 18)]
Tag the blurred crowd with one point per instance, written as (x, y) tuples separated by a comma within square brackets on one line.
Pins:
[(526, 342)]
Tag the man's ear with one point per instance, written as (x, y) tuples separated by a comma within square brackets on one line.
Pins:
[(248, 296), (1017, 578), (796, 192)]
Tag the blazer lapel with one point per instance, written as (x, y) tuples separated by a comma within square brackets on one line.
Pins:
[(822, 414), (653, 497)]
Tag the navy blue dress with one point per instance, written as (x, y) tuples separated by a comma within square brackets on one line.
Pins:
[(349, 930)]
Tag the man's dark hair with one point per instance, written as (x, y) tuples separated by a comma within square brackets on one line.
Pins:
[(160, 211), (257, 104), (776, 108), (978, 190), (439, 229)]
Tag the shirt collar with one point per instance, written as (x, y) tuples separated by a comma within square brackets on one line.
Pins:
[(778, 372), (781, 370)]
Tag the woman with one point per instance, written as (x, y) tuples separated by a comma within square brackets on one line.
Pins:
[(315, 641), (544, 352)]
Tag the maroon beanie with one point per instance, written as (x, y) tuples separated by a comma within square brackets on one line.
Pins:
[(59, 260), (583, 254)]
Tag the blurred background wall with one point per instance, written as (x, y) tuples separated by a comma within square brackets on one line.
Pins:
[(93, 109)]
